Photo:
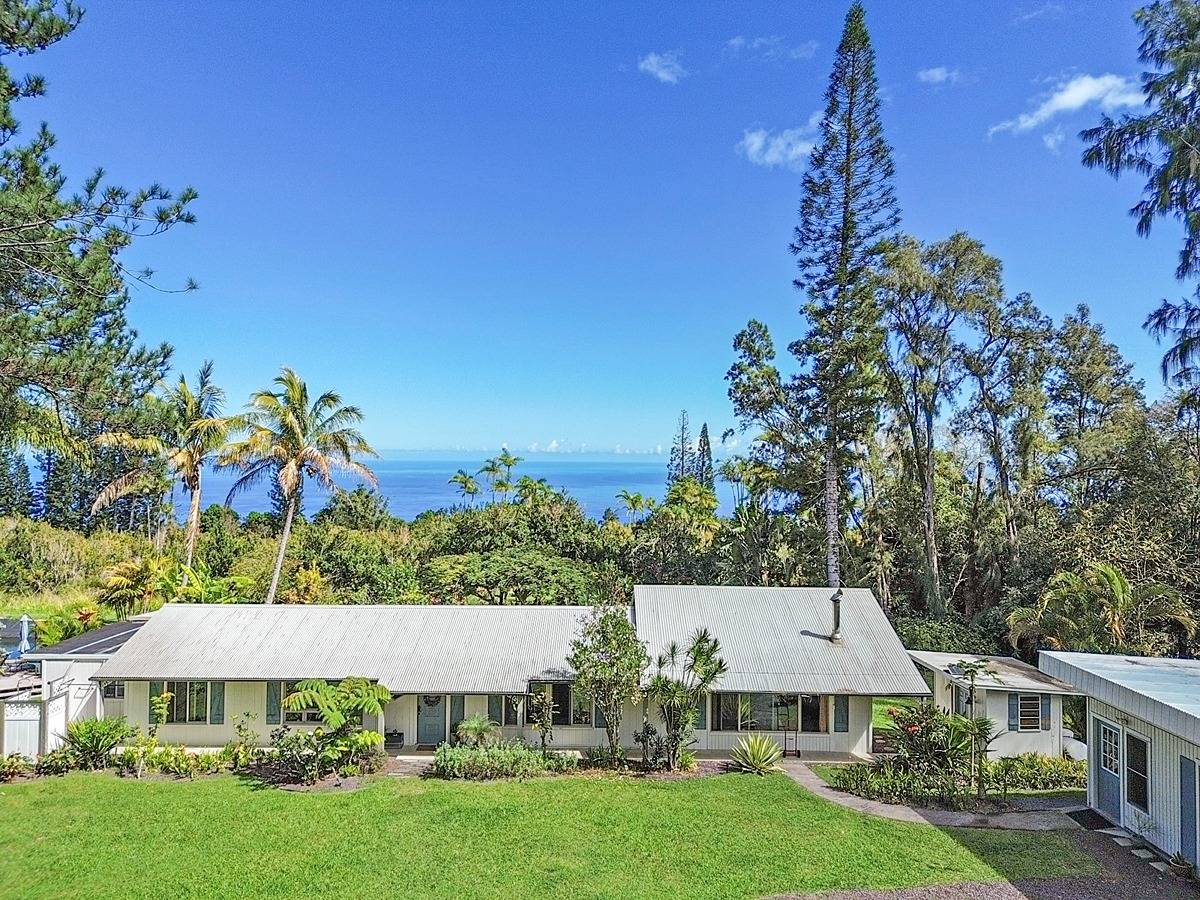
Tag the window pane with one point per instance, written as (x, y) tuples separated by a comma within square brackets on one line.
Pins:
[(1110, 752), (786, 709), (511, 708), (701, 717), (177, 708), (810, 712), (197, 701), (762, 710), (1030, 712), (560, 694), (581, 708), (1137, 772), (725, 712), (495, 708)]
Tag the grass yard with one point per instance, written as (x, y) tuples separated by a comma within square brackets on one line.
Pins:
[(880, 706), (97, 835)]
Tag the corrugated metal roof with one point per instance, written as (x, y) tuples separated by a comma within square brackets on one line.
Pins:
[(102, 641), (1164, 692), (410, 649), (1003, 672), (777, 639)]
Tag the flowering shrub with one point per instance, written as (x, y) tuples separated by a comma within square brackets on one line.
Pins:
[(511, 759)]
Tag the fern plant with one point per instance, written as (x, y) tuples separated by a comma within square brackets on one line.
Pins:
[(757, 754)]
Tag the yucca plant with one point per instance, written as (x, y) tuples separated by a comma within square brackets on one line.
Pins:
[(757, 754)]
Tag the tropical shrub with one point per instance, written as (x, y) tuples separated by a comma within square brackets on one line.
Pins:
[(888, 782), (477, 731), (91, 742), (605, 758), (511, 759), (682, 680), (341, 741), (14, 765), (757, 754), (243, 751), (1036, 772), (688, 761), (609, 663), (174, 760), (56, 762)]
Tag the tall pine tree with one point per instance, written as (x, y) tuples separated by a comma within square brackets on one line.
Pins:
[(848, 207), (702, 467), (680, 464)]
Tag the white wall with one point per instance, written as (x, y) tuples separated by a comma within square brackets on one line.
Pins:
[(1165, 749), (995, 704)]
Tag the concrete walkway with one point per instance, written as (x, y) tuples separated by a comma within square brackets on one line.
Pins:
[(1045, 820)]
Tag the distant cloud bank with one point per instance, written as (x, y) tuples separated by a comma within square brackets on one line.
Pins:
[(663, 66), (772, 48)]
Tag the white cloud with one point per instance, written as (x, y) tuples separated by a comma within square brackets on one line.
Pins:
[(1051, 10), (1054, 139), (938, 75), (663, 66), (789, 147), (1109, 92), (772, 48)]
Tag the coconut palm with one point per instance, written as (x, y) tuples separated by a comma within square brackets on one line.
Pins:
[(1099, 611), (468, 487), (507, 460), (195, 432), (491, 470), (288, 437), (633, 502), (532, 491)]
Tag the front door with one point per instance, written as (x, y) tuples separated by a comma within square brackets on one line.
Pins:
[(1107, 768), (431, 719), (1189, 835)]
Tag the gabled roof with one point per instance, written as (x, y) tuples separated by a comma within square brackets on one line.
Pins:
[(1162, 691), (1004, 673), (409, 649), (777, 639), (99, 642)]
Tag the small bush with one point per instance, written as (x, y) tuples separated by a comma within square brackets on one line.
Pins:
[(889, 782), (688, 762), (1035, 772), (56, 762), (92, 741), (605, 758), (501, 760), (756, 754), (477, 731), (176, 761), (13, 766)]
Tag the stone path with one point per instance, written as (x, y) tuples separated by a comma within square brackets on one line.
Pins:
[(1039, 820)]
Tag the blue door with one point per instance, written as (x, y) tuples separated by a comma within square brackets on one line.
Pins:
[(1187, 809), (1107, 770), (431, 719)]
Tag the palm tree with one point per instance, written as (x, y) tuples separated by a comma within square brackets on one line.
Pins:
[(288, 437), (507, 460), (633, 502), (682, 681), (503, 487), (532, 491), (195, 432), (468, 487), (1100, 612), (491, 471)]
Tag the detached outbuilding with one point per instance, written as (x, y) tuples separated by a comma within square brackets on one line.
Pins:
[(1144, 735), (1025, 704)]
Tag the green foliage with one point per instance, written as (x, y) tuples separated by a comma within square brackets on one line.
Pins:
[(757, 754), (609, 663), (511, 759), (92, 741), (362, 509), (13, 766), (309, 756), (542, 710), (513, 576), (949, 635), (57, 762), (682, 680), (1035, 772), (477, 731)]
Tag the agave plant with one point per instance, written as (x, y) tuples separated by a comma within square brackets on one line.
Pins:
[(757, 754)]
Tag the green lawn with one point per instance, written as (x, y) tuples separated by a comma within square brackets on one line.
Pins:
[(724, 836), (880, 706)]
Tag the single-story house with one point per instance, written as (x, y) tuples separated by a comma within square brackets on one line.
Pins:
[(803, 665), (1144, 734), (1025, 703)]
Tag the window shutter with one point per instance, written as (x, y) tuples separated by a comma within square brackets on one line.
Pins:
[(457, 713), (496, 708), (701, 714), (841, 713), (272, 702), (1014, 715), (216, 703), (598, 717), (1045, 712), (156, 689)]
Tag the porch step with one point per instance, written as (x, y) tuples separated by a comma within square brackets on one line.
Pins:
[(1122, 842), (1160, 866), (1114, 832), (1142, 853)]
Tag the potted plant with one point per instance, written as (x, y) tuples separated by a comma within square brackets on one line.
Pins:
[(1181, 865)]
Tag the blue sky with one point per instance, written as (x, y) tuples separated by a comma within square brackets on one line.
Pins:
[(544, 224)]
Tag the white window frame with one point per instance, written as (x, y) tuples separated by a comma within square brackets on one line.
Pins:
[(113, 690), (307, 716), (1110, 750), (187, 702), (1037, 723)]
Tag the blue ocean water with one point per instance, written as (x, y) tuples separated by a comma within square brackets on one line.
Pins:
[(416, 481)]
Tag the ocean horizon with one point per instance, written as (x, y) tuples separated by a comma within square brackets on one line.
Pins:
[(414, 481)]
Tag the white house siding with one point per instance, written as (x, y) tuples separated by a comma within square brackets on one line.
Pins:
[(995, 703), (1165, 751)]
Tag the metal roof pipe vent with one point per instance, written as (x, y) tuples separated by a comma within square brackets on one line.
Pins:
[(835, 636)]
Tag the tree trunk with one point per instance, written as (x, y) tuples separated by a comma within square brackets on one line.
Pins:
[(937, 604), (832, 530), (193, 526), (283, 541)]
